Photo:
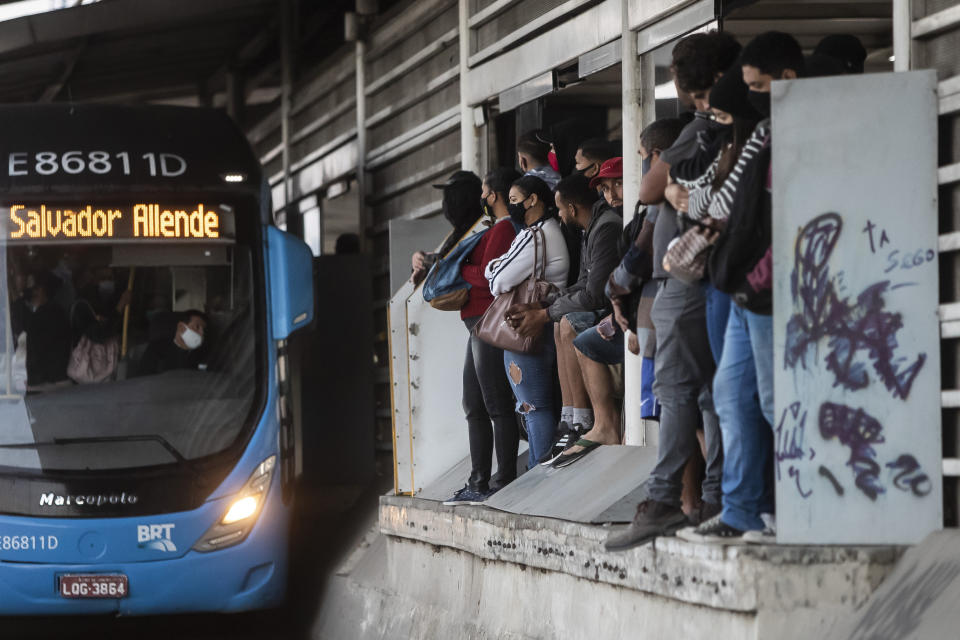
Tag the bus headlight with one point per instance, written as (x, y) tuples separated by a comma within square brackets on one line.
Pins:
[(242, 513), (241, 509)]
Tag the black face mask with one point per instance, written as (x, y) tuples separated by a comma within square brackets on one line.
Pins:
[(713, 125), (487, 209), (518, 213), (583, 172), (760, 102)]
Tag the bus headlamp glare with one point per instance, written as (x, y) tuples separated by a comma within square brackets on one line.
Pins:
[(234, 177), (241, 509), (240, 517)]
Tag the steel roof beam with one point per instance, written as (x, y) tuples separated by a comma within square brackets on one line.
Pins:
[(54, 89), (107, 17)]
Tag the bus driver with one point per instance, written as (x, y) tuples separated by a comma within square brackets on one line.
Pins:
[(182, 350)]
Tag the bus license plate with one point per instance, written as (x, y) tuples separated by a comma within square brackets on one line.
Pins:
[(94, 586)]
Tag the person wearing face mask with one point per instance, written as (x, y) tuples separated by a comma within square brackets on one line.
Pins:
[(745, 370), (630, 286), (495, 193), (103, 293), (487, 398), (179, 344), (592, 153), (533, 156), (684, 364), (461, 208), (700, 189), (531, 375), (583, 305), (48, 334)]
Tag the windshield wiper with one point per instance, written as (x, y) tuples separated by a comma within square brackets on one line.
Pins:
[(142, 438)]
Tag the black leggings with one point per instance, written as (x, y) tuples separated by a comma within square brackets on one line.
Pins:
[(487, 398)]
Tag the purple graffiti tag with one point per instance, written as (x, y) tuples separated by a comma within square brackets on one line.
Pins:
[(854, 330), (859, 431), (910, 476)]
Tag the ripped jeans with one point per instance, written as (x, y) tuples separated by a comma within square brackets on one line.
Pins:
[(531, 376)]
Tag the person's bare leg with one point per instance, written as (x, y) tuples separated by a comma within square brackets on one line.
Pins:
[(692, 479), (598, 381), (565, 399), (569, 366)]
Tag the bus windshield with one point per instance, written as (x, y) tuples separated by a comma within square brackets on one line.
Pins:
[(128, 336)]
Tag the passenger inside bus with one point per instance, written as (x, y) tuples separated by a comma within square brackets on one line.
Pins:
[(178, 343), (128, 344), (48, 336)]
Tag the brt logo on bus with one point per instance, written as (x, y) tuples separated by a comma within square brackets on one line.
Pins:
[(156, 536)]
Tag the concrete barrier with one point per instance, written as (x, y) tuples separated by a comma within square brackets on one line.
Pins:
[(474, 572)]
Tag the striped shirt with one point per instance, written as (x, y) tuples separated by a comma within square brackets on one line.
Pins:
[(721, 204)]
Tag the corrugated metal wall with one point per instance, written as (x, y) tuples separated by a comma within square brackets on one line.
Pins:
[(936, 33), (323, 130), (412, 95)]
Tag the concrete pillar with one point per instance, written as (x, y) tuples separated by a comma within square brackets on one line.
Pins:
[(361, 77), (632, 117), (287, 39), (639, 110), (902, 42), (470, 134)]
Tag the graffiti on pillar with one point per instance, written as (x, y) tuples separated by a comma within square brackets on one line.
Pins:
[(859, 330), (856, 341), (855, 336)]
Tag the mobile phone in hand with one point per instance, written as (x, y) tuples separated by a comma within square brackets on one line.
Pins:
[(606, 328)]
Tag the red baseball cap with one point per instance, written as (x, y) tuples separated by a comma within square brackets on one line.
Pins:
[(612, 168)]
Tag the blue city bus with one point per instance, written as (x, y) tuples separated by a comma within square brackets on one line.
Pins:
[(148, 452)]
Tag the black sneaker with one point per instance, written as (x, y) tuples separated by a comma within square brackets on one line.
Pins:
[(466, 496), (713, 530), (566, 436), (653, 519), (704, 512)]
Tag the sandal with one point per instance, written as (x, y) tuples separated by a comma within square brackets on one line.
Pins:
[(566, 459)]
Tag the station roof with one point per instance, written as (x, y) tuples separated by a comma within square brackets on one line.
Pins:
[(175, 51)]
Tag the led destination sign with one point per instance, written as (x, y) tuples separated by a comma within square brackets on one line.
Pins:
[(142, 221)]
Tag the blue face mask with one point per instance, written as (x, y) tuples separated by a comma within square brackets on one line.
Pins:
[(645, 164)]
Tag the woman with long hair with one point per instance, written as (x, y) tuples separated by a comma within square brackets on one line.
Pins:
[(531, 206)]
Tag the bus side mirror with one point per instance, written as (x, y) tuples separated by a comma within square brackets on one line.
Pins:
[(291, 283)]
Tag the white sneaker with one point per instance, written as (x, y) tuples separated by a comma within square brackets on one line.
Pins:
[(767, 535)]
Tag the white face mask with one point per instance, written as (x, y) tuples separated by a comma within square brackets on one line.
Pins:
[(191, 339)]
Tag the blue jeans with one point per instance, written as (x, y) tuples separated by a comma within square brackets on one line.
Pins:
[(718, 310), (743, 397), (532, 377)]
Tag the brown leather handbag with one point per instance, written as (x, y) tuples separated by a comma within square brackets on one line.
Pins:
[(493, 327)]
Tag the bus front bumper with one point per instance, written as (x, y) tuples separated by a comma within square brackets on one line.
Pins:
[(250, 575)]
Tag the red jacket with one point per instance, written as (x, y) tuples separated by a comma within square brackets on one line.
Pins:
[(493, 244)]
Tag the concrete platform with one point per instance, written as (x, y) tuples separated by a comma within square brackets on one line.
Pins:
[(476, 572), (605, 486)]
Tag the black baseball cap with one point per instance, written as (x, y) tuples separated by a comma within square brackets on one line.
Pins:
[(457, 177)]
